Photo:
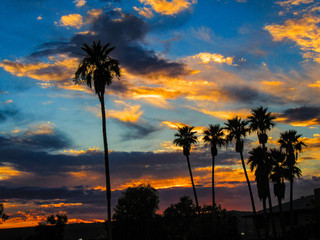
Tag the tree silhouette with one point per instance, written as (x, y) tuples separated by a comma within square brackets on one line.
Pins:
[(97, 69), (278, 175), (291, 144), (53, 229), (238, 130), (215, 137), (258, 162), (184, 138), (135, 213), (262, 121), (3, 215)]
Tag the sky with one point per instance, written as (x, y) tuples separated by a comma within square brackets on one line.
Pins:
[(194, 62)]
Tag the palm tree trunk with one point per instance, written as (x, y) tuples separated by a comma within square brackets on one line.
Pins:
[(291, 208), (194, 189), (266, 220), (213, 196), (269, 197), (107, 171), (271, 213), (251, 196), (281, 218)]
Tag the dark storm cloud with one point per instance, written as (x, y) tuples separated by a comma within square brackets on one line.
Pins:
[(249, 95), (304, 113), (35, 141), (128, 35), (28, 153)]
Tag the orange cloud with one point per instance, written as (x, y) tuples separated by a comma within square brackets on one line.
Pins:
[(304, 31), (130, 113), (59, 68), (78, 152), (272, 83), (8, 171), (80, 3), (166, 7), (295, 2), (71, 20), (212, 57), (146, 12)]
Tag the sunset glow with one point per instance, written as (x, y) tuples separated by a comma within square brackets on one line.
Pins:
[(182, 63)]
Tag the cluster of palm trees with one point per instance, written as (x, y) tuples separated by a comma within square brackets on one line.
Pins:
[(97, 70), (270, 165)]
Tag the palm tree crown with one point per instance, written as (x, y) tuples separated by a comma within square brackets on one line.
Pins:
[(214, 136), (261, 121), (97, 68), (184, 138), (238, 130), (290, 142)]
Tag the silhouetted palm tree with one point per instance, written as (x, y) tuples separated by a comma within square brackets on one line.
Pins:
[(214, 136), (257, 161), (261, 121), (97, 69), (238, 130), (278, 175), (291, 144), (184, 138)]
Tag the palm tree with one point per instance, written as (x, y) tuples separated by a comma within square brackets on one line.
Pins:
[(291, 144), (257, 161), (97, 69), (261, 121), (184, 138), (238, 130), (214, 136), (278, 175)]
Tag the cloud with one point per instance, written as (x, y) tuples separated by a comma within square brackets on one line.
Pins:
[(301, 116), (145, 12), (9, 112), (304, 31), (205, 58), (169, 7), (80, 3), (37, 137), (128, 32), (71, 20), (130, 113), (294, 2)]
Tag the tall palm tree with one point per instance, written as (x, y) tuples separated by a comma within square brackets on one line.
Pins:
[(292, 145), (238, 130), (257, 161), (215, 137), (97, 69), (185, 138), (278, 176), (262, 121)]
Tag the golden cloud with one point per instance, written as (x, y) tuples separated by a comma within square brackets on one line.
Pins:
[(304, 31), (130, 113), (8, 171), (80, 3), (146, 12), (295, 2), (59, 68), (166, 7), (71, 20), (205, 58)]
